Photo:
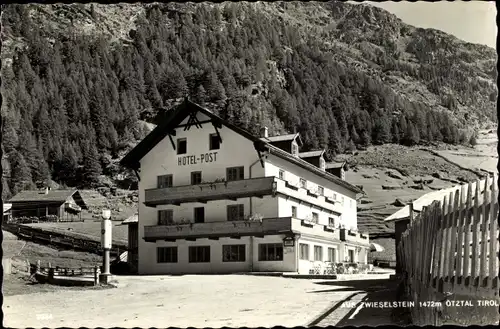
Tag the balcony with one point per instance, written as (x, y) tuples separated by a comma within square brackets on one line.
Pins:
[(214, 230), (354, 237), (305, 195), (204, 192), (267, 226)]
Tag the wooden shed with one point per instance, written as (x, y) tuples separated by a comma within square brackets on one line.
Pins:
[(133, 244), (66, 205)]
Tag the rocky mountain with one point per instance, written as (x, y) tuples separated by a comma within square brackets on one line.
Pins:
[(77, 80)]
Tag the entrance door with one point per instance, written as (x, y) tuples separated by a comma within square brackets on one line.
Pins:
[(199, 215)]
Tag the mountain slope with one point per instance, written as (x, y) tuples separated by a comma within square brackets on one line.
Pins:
[(343, 75)]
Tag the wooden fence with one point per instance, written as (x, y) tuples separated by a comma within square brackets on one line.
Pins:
[(451, 248), (63, 240), (64, 275)]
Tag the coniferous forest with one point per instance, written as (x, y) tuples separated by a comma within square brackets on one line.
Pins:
[(74, 103)]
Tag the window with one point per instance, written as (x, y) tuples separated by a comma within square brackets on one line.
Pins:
[(165, 217), (271, 252), (342, 200), (166, 255), (303, 183), (295, 148), (303, 251), (181, 146), (199, 254), (196, 177), (233, 253), (332, 255), (315, 217), (294, 212), (164, 181), (318, 253), (331, 221), (214, 142), (322, 164), (351, 256), (235, 173), (199, 215), (321, 190), (334, 197), (281, 174), (235, 212)]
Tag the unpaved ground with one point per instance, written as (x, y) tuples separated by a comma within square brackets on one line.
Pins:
[(87, 228), (179, 301)]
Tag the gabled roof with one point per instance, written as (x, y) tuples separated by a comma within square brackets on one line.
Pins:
[(282, 138), (175, 116), (36, 195), (335, 165), (56, 196), (312, 154), (172, 119), (425, 201), (132, 219), (306, 165)]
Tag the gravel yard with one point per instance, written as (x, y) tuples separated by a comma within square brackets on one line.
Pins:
[(178, 301)]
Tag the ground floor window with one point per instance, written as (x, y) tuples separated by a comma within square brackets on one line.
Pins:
[(233, 253), (332, 252), (318, 253), (199, 254), (303, 251), (271, 252), (350, 253), (166, 255)]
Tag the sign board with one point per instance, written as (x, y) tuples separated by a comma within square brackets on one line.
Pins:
[(288, 242), (197, 159), (106, 234)]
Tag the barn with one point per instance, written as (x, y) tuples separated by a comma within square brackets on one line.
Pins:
[(62, 205)]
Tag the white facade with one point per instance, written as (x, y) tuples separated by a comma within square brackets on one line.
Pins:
[(237, 150)]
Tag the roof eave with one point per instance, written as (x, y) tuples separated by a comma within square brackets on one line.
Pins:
[(310, 167)]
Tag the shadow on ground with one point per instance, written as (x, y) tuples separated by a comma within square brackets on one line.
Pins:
[(377, 290)]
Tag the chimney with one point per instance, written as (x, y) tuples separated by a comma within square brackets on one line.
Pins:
[(47, 190), (264, 132)]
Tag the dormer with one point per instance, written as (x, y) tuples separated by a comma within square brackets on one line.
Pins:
[(316, 158), (289, 143), (338, 169)]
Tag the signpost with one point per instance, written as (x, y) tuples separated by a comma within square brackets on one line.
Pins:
[(106, 240)]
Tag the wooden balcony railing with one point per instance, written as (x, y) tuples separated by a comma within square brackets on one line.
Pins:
[(204, 192), (353, 237), (267, 226)]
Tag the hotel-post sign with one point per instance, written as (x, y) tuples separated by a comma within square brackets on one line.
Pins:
[(197, 159)]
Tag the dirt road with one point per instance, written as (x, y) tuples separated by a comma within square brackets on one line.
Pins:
[(179, 301)]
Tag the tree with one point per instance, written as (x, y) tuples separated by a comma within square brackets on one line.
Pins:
[(20, 173), (200, 95), (91, 169), (396, 137), (381, 129), (412, 136), (172, 84)]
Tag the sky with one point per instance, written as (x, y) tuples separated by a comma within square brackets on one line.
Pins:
[(472, 21)]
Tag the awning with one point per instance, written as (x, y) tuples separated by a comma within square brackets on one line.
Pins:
[(376, 247)]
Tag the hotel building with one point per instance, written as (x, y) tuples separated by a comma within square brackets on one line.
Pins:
[(213, 198)]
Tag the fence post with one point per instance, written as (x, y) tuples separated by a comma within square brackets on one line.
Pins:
[(95, 276)]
